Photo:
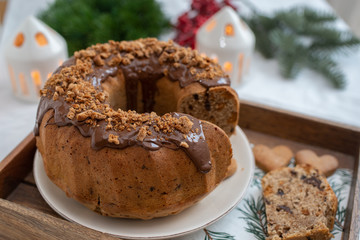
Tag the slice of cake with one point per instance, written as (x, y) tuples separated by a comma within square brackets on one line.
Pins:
[(300, 204)]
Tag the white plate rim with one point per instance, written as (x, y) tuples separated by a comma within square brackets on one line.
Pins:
[(239, 135)]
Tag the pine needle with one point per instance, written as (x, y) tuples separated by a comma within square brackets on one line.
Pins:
[(345, 44), (328, 68), (254, 213), (317, 16), (292, 60), (261, 26), (212, 235)]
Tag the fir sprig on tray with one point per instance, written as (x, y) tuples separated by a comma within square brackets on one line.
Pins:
[(254, 213), (302, 37), (86, 22), (338, 187), (212, 235)]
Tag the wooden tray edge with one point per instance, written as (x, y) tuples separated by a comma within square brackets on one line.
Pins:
[(25, 223), (286, 124), (15, 166), (300, 115)]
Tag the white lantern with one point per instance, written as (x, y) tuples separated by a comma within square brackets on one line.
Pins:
[(229, 41), (32, 55)]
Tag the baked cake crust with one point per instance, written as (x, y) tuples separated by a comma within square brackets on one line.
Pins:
[(130, 182), (152, 165)]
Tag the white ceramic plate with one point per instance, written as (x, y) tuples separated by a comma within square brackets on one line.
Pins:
[(216, 205)]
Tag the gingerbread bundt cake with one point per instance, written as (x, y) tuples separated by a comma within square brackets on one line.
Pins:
[(114, 130)]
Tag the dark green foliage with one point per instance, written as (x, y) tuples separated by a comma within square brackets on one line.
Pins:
[(86, 22), (302, 37), (211, 235)]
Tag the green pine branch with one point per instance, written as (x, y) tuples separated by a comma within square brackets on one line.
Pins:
[(340, 213), (261, 26), (317, 16), (254, 213), (345, 180), (328, 68), (291, 20), (343, 43), (303, 37), (212, 235), (292, 60)]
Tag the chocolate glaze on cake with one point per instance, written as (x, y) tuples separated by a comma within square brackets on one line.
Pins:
[(74, 93)]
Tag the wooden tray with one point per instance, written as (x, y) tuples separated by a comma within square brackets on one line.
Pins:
[(25, 215)]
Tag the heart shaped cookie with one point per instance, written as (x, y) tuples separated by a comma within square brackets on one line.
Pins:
[(269, 159), (327, 164)]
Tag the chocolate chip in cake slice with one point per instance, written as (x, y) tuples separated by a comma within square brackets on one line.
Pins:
[(283, 208), (280, 192), (316, 182)]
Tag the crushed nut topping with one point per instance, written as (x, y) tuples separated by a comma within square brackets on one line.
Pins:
[(114, 139), (90, 105), (142, 133), (184, 145)]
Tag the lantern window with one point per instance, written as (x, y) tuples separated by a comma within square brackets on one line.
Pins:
[(241, 63), (41, 39), (23, 84), (12, 78), (210, 26), (19, 40), (228, 67), (36, 77), (229, 30)]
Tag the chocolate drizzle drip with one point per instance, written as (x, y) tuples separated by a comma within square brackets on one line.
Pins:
[(197, 151), (146, 71)]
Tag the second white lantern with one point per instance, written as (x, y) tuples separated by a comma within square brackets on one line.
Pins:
[(228, 40)]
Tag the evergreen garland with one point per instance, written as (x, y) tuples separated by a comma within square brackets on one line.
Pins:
[(302, 37), (86, 22)]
